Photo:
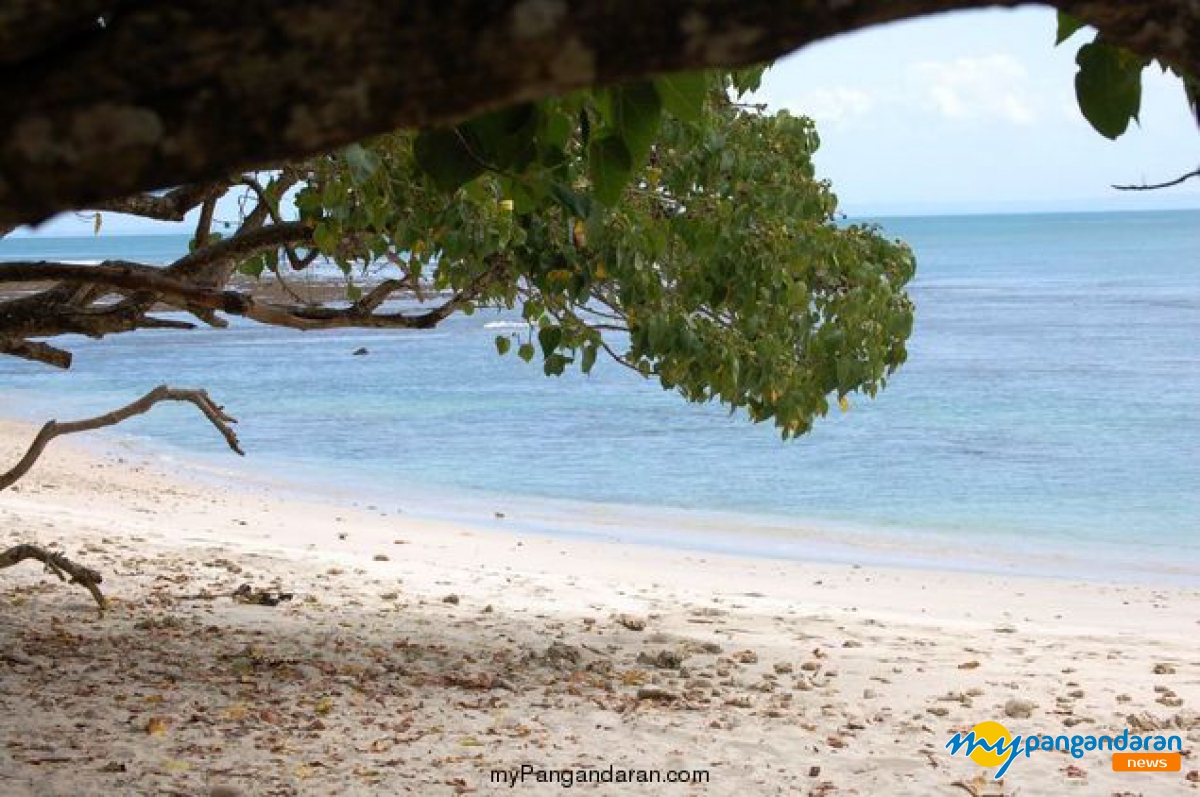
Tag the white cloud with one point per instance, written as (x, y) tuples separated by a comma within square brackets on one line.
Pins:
[(833, 105), (987, 88)]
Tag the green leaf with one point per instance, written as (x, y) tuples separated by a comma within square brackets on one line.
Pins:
[(557, 127), (504, 139), (325, 238), (749, 79), (742, 288), (683, 94), (1108, 87), (575, 203), (444, 156), (609, 166), (353, 292), (589, 358), (362, 162), (1067, 25), (549, 337), (636, 113), (253, 267), (554, 365)]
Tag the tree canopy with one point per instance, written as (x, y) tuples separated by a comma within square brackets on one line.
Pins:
[(663, 223)]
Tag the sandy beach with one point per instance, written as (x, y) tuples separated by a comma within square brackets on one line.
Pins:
[(419, 656)]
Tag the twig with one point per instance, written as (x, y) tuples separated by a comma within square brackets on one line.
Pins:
[(1154, 187), (966, 787)]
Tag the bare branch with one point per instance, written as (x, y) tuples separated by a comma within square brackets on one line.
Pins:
[(379, 294), (53, 429), (60, 566), (153, 322), (204, 223), (1183, 178), (39, 352), (57, 563)]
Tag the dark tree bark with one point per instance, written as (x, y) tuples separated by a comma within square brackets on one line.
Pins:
[(107, 99)]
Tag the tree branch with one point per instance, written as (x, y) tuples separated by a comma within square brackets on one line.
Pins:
[(161, 285), (36, 351), (56, 563), (168, 93), (204, 223), (271, 203), (171, 206), (65, 308), (1156, 186), (60, 566), (237, 247), (53, 429)]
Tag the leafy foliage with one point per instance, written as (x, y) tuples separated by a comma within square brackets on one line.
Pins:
[(1108, 85), (662, 222)]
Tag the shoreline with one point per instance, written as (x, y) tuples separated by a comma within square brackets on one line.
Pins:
[(417, 655), (753, 535)]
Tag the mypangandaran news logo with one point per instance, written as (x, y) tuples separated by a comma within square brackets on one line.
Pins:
[(989, 744)]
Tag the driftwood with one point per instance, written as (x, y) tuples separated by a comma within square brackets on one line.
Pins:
[(57, 563), (244, 594)]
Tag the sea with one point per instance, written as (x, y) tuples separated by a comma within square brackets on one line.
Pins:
[(1047, 420)]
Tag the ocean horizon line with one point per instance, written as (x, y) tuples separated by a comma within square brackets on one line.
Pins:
[(865, 213)]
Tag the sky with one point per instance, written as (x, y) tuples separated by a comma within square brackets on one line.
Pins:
[(960, 113), (976, 112)]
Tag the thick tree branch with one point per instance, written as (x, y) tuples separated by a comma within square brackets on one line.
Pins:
[(240, 246), (105, 100), (53, 429), (204, 222), (171, 206), (162, 285), (67, 308), (36, 351)]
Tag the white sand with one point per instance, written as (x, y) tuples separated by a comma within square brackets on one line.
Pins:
[(369, 682)]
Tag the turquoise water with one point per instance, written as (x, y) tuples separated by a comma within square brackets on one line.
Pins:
[(1052, 397)]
